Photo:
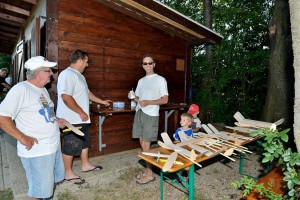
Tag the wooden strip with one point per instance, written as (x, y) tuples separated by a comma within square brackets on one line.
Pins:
[(73, 128)]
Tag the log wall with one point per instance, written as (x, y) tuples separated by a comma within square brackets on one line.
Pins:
[(116, 44)]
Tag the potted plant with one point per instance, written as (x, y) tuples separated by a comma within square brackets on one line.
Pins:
[(275, 148)]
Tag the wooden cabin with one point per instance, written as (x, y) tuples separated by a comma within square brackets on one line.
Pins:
[(116, 34)]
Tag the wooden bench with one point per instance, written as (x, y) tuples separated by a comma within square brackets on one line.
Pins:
[(275, 177)]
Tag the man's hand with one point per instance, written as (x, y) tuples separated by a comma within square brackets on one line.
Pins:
[(106, 102), (61, 122), (144, 103), (28, 141), (84, 117)]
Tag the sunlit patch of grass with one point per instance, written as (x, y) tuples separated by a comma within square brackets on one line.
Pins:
[(130, 173), (66, 195), (216, 171), (6, 194)]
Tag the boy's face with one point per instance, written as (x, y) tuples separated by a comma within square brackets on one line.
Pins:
[(185, 122)]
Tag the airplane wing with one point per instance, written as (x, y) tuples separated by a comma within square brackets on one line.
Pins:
[(255, 123)]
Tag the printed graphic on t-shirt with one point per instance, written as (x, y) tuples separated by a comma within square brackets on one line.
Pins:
[(47, 111), (193, 125)]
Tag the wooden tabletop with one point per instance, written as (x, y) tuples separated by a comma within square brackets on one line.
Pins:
[(100, 109), (186, 163)]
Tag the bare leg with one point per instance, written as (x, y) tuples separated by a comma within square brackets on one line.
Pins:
[(68, 162), (146, 147), (30, 198), (86, 165)]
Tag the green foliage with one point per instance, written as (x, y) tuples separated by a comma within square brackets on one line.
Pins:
[(248, 184), (5, 61), (237, 77), (6, 195), (274, 144)]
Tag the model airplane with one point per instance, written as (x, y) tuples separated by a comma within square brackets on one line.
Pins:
[(171, 159), (242, 129), (168, 144), (254, 123), (73, 128), (223, 136), (224, 133), (209, 143)]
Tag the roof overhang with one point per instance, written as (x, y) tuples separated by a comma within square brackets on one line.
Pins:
[(13, 16), (167, 19)]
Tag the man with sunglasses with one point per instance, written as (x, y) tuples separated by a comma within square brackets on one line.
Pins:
[(151, 92)]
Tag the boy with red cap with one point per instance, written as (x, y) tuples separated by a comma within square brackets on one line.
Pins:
[(194, 111)]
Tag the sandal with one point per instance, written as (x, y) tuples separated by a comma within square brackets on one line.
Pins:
[(140, 175), (73, 180), (145, 180)]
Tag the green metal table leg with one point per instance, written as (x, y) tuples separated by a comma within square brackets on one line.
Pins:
[(161, 180), (191, 183), (241, 163)]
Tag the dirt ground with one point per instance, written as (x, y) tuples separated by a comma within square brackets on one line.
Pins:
[(212, 182)]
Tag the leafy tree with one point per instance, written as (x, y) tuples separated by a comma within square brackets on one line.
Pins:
[(238, 77), (5, 61)]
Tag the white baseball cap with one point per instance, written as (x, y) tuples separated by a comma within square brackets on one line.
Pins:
[(38, 61)]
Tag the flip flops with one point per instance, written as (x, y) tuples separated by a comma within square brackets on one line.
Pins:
[(96, 168), (72, 180)]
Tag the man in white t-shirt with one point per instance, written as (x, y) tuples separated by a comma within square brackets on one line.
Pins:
[(151, 92), (36, 128), (73, 106)]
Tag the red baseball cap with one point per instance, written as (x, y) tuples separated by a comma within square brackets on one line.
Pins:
[(193, 109)]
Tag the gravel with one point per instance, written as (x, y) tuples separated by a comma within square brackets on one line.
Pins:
[(212, 182)]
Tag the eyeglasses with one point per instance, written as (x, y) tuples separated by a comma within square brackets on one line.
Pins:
[(49, 71), (147, 63)]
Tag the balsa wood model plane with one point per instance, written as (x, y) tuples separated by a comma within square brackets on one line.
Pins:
[(254, 123), (168, 144), (171, 159), (209, 143)]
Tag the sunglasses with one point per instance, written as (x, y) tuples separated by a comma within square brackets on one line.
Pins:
[(147, 63)]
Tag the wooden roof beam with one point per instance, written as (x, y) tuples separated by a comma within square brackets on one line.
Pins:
[(14, 9), (8, 34), (30, 1), (4, 21), (161, 17), (12, 18), (9, 29)]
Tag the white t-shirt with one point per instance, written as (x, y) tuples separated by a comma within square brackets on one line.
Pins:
[(151, 87), (73, 83), (197, 122), (8, 80), (33, 112)]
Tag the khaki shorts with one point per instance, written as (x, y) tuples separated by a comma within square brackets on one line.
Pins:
[(145, 127)]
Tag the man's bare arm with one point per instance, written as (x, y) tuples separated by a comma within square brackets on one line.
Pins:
[(7, 124), (71, 103)]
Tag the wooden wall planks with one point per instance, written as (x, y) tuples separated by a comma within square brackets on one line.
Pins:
[(116, 44)]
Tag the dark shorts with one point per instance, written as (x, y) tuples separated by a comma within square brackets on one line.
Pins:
[(145, 127), (73, 143)]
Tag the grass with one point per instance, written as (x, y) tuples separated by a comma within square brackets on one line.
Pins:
[(6, 195)]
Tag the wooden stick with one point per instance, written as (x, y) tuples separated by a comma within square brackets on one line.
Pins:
[(73, 128)]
